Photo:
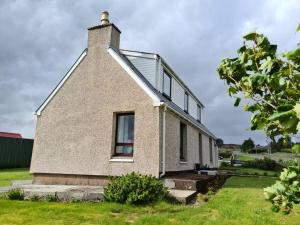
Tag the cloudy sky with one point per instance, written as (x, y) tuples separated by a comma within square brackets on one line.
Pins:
[(40, 40)]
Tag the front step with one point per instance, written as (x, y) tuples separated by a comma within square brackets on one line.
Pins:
[(183, 196), (185, 184)]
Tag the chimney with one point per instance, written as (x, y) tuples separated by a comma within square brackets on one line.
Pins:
[(104, 35)]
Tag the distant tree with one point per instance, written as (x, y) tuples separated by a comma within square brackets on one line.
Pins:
[(247, 145), (284, 142)]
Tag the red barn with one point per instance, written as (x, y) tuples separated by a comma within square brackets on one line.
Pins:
[(11, 135)]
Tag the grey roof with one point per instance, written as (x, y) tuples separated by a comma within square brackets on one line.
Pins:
[(171, 104), (172, 71)]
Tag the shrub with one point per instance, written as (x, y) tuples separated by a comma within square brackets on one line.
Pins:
[(51, 198), (263, 164), (225, 154), (15, 194), (34, 198), (286, 191), (265, 174), (257, 150), (135, 188), (202, 198), (224, 164)]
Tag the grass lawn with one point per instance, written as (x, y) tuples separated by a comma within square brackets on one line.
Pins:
[(7, 175), (251, 171), (240, 201), (245, 157)]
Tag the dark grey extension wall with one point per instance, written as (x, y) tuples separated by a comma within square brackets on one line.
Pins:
[(15, 152)]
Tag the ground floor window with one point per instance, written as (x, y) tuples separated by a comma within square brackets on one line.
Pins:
[(183, 142), (200, 149), (210, 150), (124, 134)]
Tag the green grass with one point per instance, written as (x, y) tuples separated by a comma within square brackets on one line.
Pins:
[(240, 201), (251, 171), (245, 157), (7, 175)]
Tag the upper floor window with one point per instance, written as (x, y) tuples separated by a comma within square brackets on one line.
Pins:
[(167, 80), (186, 102), (124, 134), (199, 113)]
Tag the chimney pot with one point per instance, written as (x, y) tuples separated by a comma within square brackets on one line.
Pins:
[(104, 18)]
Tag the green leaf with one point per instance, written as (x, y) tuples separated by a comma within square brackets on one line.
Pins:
[(232, 90), (237, 102), (298, 28), (250, 36), (296, 148), (294, 55), (298, 126), (279, 115), (297, 110), (285, 107)]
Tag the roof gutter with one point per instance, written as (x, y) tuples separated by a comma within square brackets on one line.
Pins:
[(187, 119)]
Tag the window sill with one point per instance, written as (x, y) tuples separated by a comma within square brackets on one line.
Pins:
[(117, 159), (183, 162)]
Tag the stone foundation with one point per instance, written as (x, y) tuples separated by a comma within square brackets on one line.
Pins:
[(69, 179)]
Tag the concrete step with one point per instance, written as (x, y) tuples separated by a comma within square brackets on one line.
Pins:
[(183, 196), (62, 192), (186, 184)]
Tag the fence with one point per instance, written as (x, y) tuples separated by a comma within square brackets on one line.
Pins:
[(15, 152)]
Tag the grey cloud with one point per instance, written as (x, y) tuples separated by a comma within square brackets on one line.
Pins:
[(39, 41)]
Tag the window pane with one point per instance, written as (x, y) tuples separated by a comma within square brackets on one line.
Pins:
[(199, 113), (124, 149), (125, 132), (167, 84), (210, 150), (183, 142), (186, 102)]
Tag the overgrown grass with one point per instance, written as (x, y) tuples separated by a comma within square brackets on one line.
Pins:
[(240, 201), (7, 175)]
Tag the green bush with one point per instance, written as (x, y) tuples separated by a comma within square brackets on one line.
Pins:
[(263, 164), (34, 198), (51, 198), (286, 191), (224, 164), (15, 194), (135, 188), (257, 150), (225, 154)]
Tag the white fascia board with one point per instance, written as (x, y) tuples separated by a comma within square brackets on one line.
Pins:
[(61, 83), (134, 76)]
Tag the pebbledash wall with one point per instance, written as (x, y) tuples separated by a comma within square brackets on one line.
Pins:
[(173, 162), (74, 134)]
